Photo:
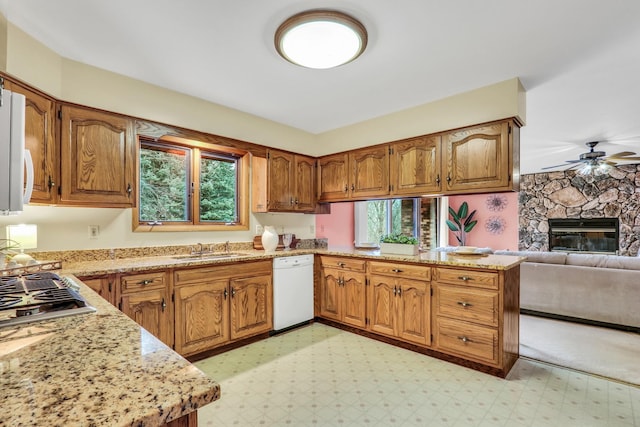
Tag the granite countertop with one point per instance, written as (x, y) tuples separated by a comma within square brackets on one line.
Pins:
[(134, 264), (97, 369)]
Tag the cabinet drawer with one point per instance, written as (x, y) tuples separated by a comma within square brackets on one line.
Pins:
[(144, 281), (352, 264), (476, 279), (420, 272), (474, 305), (467, 340), (234, 269)]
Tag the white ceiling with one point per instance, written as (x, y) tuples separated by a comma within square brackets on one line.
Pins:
[(579, 60)]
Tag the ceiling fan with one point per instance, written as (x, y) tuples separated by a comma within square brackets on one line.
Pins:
[(595, 158)]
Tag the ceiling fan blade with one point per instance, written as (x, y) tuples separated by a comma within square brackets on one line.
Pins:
[(623, 154), (610, 163), (623, 158), (573, 163)]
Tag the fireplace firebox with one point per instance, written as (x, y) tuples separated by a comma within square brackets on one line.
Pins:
[(591, 235)]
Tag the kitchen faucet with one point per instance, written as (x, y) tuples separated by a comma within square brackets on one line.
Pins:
[(226, 247)]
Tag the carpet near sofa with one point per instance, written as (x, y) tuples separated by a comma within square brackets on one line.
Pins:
[(601, 351)]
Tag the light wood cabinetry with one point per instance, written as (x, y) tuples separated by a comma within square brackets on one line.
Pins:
[(342, 290), (355, 175), (399, 301), (102, 285), (415, 166), (284, 182), (97, 158), (146, 298), (476, 315), (41, 142), (215, 305), (482, 158)]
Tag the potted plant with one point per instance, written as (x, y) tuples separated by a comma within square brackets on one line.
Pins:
[(399, 244), (7, 247), (462, 223)]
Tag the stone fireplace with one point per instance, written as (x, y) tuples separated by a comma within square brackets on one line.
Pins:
[(566, 194)]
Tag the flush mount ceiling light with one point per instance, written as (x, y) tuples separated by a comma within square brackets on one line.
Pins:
[(320, 39)]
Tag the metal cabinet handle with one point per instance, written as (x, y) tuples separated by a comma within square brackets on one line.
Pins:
[(464, 339), (397, 270), (291, 201), (465, 304), (129, 190), (448, 178), (296, 201), (465, 278), (225, 293), (145, 282), (353, 187), (51, 183), (395, 290), (341, 264), (164, 305), (399, 291), (438, 179), (233, 292), (346, 188)]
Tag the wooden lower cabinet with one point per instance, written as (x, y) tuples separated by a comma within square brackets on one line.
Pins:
[(102, 285), (218, 304), (146, 298), (399, 305), (477, 315), (342, 291)]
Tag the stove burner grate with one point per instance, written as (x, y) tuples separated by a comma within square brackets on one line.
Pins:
[(9, 300), (54, 295), (13, 286), (39, 284)]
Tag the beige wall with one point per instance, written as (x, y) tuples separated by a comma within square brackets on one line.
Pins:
[(3, 43), (67, 228)]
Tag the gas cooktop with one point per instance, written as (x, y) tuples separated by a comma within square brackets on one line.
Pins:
[(39, 296)]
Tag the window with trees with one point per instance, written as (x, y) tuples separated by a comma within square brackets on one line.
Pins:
[(185, 184)]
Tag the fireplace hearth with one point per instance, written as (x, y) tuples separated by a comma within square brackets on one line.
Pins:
[(590, 235)]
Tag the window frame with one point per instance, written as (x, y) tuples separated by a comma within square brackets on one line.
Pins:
[(361, 219), (194, 224)]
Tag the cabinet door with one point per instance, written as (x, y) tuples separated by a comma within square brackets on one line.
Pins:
[(353, 299), (333, 177), (97, 160), (305, 183), (280, 180), (478, 158), (41, 142), (414, 311), (415, 166), (382, 305), (369, 169), (251, 306), (152, 311), (330, 293), (102, 285), (201, 313)]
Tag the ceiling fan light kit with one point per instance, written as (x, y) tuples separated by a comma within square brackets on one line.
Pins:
[(596, 162)]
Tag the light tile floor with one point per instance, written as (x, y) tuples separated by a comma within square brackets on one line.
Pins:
[(321, 376)]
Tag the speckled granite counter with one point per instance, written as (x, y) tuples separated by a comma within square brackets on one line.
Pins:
[(97, 267), (98, 369)]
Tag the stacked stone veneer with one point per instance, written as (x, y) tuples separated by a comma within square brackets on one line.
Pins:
[(570, 195)]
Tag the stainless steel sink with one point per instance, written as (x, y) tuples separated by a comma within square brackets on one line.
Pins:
[(208, 256)]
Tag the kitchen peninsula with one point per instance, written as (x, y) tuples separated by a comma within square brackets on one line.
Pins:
[(98, 369)]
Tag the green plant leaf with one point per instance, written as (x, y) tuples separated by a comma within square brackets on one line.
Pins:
[(462, 212), (470, 226), (469, 218), (452, 226)]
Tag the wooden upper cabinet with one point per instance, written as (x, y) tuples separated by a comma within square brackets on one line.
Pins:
[(369, 172), (290, 183), (41, 142), (415, 166), (333, 177), (481, 158), (97, 158), (358, 174)]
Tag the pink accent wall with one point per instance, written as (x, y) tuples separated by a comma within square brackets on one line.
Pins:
[(338, 225), (480, 236)]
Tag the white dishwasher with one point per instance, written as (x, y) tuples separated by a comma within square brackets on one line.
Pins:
[(292, 291)]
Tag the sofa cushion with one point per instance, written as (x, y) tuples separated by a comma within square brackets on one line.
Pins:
[(604, 261), (536, 256)]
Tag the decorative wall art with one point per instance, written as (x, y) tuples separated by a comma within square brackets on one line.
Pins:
[(495, 224), (496, 202)]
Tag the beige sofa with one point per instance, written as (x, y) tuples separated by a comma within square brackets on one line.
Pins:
[(600, 288)]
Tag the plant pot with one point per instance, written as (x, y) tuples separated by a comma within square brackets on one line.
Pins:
[(398, 248)]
